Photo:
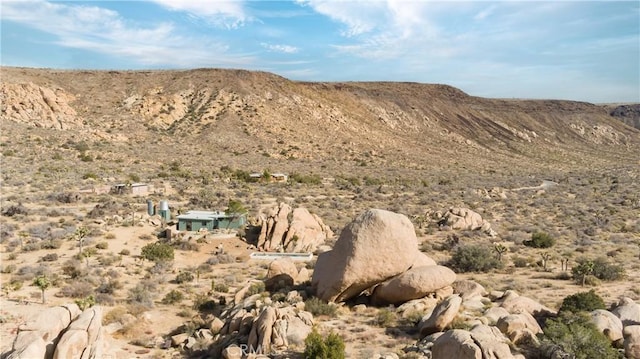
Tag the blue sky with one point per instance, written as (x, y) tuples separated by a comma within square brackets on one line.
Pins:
[(577, 50)]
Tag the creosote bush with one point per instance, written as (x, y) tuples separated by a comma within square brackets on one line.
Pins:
[(540, 240), (474, 258), (157, 252), (585, 301), (317, 347)]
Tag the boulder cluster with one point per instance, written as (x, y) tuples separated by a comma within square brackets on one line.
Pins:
[(501, 321), (378, 254), (464, 219), (283, 229), (61, 332)]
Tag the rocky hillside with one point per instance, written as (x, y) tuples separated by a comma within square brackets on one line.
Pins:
[(629, 114), (243, 113)]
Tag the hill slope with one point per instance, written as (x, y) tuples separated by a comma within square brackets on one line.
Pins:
[(241, 113)]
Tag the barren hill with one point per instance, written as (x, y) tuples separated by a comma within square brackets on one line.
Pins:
[(210, 113)]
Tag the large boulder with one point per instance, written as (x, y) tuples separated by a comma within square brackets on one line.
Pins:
[(628, 311), (376, 246), (461, 344), (282, 273), (608, 324), (305, 233), (441, 316), (515, 303), (413, 284), (632, 341), (79, 340)]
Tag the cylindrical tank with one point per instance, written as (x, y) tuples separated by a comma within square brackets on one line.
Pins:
[(164, 205), (150, 207)]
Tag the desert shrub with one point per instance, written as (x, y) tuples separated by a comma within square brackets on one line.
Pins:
[(187, 246), (105, 299), (102, 245), (174, 296), (86, 302), (585, 301), (109, 286), (385, 318), (115, 315), (8, 269), (109, 259), (256, 288), (606, 271), (331, 347), (77, 290), (184, 277), (203, 303), (574, 334), (74, 268), (598, 268), (222, 258), (51, 244), (51, 257), (474, 258), (520, 262), (540, 240), (143, 294), (220, 287), (125, 252), (306, 179), (157, 252), (317, 306)]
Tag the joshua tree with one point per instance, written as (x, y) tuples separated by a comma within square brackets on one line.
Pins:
[(22, 235), (545, 258), (43, 283), (80, 234), (500, 249), (584, 270)]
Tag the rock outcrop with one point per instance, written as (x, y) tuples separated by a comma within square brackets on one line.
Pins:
[(376, 246), (61, 332), (304, 233), (38, 106), (465, 219)]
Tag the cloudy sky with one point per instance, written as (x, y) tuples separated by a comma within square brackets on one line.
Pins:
[(577, 50)]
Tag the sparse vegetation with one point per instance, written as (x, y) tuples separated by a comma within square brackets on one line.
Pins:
[(318, 307), (584, 301), (157, 252)]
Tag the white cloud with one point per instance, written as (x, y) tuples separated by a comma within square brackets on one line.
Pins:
[(105, 31), (229, 14), (287, 49)]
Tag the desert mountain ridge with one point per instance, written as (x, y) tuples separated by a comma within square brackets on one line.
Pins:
[(244, 113)]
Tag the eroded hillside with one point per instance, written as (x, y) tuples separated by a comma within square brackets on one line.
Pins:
[(244, 113)]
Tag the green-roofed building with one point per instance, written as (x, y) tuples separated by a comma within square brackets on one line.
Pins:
[(196, 220)]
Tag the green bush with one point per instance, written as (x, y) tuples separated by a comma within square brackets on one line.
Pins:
[(184, 277), (585, 301), (575, 335), (598, 268), (174, 296), (157, 252), (256, 288), (540, 240), (317, 307), (317, 347), (474, 258)]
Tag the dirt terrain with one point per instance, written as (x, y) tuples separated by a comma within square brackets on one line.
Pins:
[(195, 135)]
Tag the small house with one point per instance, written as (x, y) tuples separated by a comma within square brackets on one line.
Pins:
[(196, 220)]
